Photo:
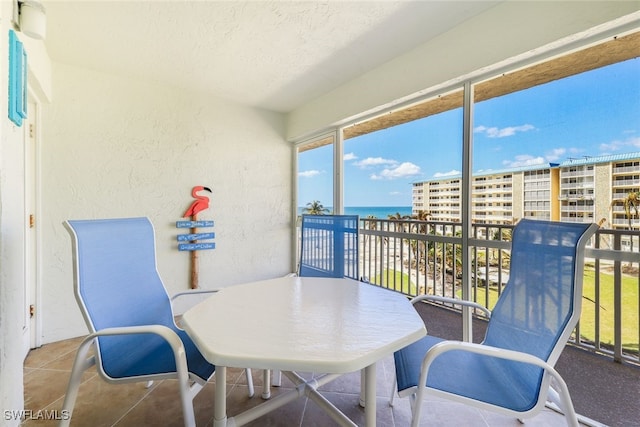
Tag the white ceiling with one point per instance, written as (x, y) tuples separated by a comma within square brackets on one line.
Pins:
[(275, 55)]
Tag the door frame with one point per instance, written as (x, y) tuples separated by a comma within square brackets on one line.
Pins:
[(32, 265)]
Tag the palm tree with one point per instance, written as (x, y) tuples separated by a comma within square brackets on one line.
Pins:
[(632, 201), (505, 235), (421, 215), (397, 220), (420, 227), (370, 224), (315, 208)]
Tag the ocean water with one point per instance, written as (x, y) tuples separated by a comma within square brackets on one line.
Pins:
[(380, 212)]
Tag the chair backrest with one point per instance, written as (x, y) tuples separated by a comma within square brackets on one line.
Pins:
[(541, 304), (329, 246), (117, 283)]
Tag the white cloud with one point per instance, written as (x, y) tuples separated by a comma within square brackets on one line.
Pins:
[(617, 145), (375, 161), (494, 132), (349, 156), (309, 174), (524, 160), (404, 170), (555, 154), (450, 173)]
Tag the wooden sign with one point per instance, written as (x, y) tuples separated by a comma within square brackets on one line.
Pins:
[(195, 246), (193, 224), (199, 204), (195, 236)]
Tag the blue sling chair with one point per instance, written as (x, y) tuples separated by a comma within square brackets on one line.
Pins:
[(129, 314), (511, 371), (328, 248)]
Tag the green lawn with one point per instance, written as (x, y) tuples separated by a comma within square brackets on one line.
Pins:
[(629, 310), (401, 282), (395, 280), (588, 319)]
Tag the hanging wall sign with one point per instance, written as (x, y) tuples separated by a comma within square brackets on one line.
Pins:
[(188, 242), (193, 241), (193, 224)]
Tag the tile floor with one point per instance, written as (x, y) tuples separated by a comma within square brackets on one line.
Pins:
[(47, 371)]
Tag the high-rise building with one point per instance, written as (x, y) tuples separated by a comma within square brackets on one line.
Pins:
[(587, 189)]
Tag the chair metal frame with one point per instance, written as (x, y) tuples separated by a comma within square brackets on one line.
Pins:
[(432, 348), (190, 382)]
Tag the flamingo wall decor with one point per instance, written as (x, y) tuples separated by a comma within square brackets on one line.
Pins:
[(192, 241), (201, 203)]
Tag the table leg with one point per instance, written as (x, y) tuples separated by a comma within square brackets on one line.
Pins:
[(266, 384), (363, 382), (370, 395), (220, 409)]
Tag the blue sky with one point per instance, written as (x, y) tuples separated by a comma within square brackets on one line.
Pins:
[(590, 114)]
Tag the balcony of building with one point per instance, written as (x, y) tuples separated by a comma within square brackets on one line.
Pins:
[(154, 98), (624, 183), (601, 364), (426, 257), (601, 390), (625, 169)]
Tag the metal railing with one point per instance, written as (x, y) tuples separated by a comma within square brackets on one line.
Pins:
[(415, 257)]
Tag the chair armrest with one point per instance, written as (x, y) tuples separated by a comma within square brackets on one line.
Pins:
[(198, 295), (487, 350), (166, 333), (163, 331), (193, 292), (445, 346), (454, 301)]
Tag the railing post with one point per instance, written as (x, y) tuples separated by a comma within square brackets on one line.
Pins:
[(617, 302), (467, 155), (596, 310), (338, 247)]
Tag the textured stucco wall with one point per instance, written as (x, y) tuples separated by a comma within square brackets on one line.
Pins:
[(117, 147), (517, 192), (12, 244), (602, 191)]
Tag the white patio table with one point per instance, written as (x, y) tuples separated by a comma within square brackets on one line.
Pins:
[(303, 324)]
